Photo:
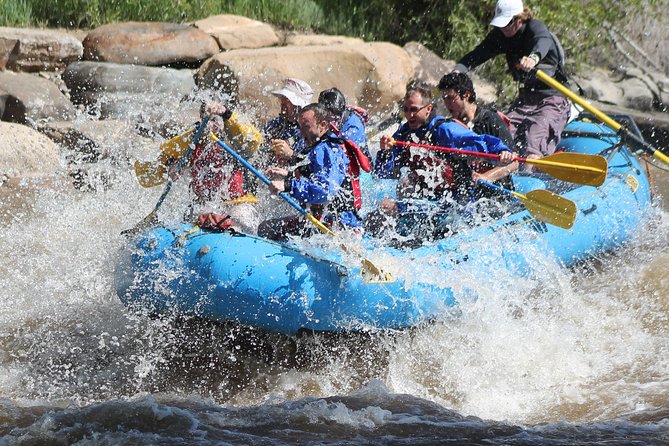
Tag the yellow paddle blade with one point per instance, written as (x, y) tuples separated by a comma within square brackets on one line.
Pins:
[(549, 207), (173, 149), (248, 198), (577, 168), (370, 272), (154, 173), (150, 173)]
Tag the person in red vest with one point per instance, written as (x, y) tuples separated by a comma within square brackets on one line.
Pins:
[(216, 180)]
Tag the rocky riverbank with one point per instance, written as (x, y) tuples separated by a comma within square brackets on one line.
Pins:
[(86, 90)]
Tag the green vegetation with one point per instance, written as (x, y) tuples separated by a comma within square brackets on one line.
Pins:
[(448, 27)]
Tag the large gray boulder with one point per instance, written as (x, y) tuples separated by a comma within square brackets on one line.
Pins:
[(299, 39), (30, 98), (26, 152), (118, 91), (31, 50), (149, 43), (29, 163)]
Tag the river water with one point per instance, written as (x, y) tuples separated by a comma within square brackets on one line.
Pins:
[(567, 356)]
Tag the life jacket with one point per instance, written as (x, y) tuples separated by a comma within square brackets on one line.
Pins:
[(356, 160), (213, 175), (436, 174), (506, 120)]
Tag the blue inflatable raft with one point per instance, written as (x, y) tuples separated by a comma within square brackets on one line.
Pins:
[(233, 277)]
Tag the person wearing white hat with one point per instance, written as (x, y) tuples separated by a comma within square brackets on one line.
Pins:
[(540, 113), (283, 132)]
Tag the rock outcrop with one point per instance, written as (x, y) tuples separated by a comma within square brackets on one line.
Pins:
[(32, 50), (29, 98), (149, 43)]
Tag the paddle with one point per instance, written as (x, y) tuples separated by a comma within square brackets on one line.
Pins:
[(601, 116), (371, 272), (149, 219), (544, 205), (154, 173), (577, 168)]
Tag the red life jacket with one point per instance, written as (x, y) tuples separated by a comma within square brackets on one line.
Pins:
[(356, 161), (506, 120), (213, 175)]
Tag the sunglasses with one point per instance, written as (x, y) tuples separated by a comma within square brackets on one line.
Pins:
[(413, 109)]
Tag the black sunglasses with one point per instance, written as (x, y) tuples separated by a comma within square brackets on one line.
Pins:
[(413, 109)]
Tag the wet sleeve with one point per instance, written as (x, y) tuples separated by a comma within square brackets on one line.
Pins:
[(243, 136), (388, 163), (542, 41), (323, 183)]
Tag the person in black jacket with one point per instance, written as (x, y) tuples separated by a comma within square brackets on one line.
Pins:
[(457, 91), (539, 114)]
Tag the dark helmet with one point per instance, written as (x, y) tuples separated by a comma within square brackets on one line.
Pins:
[(334, 100)]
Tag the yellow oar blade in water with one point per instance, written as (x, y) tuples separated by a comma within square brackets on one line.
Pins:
[(549, 207), (577, 168), (150, 173)]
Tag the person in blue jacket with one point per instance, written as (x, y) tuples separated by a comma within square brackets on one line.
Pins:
[(432, 185), (317, 180), (348, 120), (283, 132)]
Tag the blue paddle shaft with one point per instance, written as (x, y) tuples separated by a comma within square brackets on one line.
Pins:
[(496, 187), (262, 177)]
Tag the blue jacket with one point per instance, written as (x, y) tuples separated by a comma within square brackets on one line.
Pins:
[(280, 128), (439, 131), (323, 171)]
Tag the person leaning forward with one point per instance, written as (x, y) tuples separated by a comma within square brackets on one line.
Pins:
[(432, 184), (539, 114), (316, 181)]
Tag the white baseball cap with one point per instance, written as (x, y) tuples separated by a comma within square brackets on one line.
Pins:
[(505, 11), (297, 91)]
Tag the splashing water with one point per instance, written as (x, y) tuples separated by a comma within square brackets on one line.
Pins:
[(580, 345)]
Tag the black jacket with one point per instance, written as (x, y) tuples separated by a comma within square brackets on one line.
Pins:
[(532, 37)]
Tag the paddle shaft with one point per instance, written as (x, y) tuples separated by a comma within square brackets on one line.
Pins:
[(577, 168), (266, 180), (258, 174), (453, 150), (600, 115), (538, 161), (501, 189)]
